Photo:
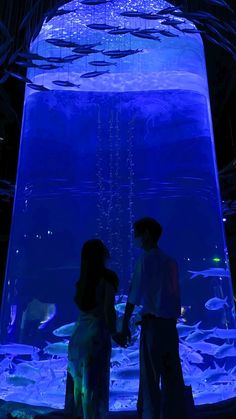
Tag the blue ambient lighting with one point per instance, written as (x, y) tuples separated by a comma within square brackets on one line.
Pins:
[(97, 152)]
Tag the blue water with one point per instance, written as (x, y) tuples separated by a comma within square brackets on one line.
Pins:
[(90, 164)]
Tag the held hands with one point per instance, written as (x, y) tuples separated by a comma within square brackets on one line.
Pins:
[(123, 338)]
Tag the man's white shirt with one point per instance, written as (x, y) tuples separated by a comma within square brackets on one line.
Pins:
[(155, 284)]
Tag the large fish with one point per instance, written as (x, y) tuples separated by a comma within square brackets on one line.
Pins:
[(216, 303), (38, 87), (204, 347), (199, 335), (65, 330), (185, 330), (225, 333), (65, 83), (211, 272), (57, 348), (18, 349), (225, 351), (18, 380)]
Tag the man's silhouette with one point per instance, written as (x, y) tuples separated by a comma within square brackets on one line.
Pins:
[(155, 286)]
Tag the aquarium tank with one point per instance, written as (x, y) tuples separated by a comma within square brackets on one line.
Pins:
[(116, 126)]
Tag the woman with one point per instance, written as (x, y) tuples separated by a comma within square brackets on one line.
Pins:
[(90, 345)]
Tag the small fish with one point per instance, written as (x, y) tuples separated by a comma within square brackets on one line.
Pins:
[(101, 63), (94, 74), (48, 66), (58, 60), (211, 272), (101, 26), (118, 53), (31, 56), (131, 14), (167, 33), (18, 380), (61, 43), (145, 36), (18, 349), (94, 2), (185, 329), (167, 10), (120, 31), (191, 30), (65, 330), (38, 87), (198, 336), (216, 303), (27, 64), (226, 350), (60, 12), (18, 76), (150, 16), (58, 348), (85, 51), (65, 83), (73, 57), (225, 333)]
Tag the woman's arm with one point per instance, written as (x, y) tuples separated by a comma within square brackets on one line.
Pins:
[(109, 307)]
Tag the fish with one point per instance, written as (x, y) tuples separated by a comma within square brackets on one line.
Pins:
[(145, 36), (216, 303), (49, 314), (204, 347), (121, 53), (211, 272), (150, 16), (73, 57), (65, 83), (18, 76), (172, 22), (199, 335), (216, 376), (101, 63), (226, 350), (18, 380), (18, 349), (58, 60), (27, 64), (25, 369), (38, 87), (101, 26), (167, 33), (85, 51), (190, 354), (219, 44), (48, 66), (60, 12), (184, 329), (95, 2), (120, 308), (131, 14), (126, 373), (225, 333), (119, 31), (31, 56), (191, 30), (94, 74), (61, 43), (168, 10), (57, 348)]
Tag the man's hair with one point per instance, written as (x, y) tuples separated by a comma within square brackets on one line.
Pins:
[(149, 224)]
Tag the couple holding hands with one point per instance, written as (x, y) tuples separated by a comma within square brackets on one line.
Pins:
[(155, 286)]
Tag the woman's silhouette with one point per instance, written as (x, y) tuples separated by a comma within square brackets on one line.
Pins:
[(90, 345)]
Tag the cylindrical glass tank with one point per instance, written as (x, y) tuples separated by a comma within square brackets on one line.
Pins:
[(97, 152)]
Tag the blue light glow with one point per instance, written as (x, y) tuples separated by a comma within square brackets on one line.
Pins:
[(132, 142)]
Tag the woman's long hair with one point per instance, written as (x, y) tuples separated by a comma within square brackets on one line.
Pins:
[(93, 257)]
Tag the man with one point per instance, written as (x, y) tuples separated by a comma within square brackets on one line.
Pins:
[(155, 286)]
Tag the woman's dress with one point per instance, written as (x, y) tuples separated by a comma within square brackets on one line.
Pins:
[(89, 359)]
